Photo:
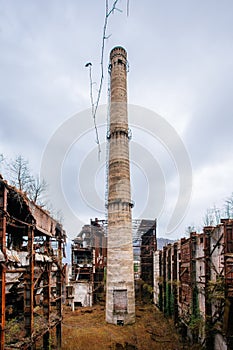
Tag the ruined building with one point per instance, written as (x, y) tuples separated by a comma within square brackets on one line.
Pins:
[(88, 259), (87, 273), (147, 249), (120, 299), (193, 283), (32, 276)]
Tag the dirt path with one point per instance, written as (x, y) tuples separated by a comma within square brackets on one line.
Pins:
[(86, 329)]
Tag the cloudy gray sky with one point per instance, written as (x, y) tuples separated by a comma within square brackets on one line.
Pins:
[(181, 65)]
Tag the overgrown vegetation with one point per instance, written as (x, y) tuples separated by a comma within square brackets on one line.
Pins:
[(216, 294), (196, 321), (13, 330), (216, 289), (87, 329)]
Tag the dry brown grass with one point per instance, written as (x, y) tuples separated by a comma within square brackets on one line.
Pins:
[(86, 329)]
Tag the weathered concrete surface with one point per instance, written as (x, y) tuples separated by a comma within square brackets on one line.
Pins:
[(120, 299), (82, 294)]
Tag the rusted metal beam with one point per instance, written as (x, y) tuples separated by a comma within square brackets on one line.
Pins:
[(59, 293), (18, 270), (174, 286), (46, 304), (208, 304), (217, 244), (29, 286), (3, 207), (164, 259)]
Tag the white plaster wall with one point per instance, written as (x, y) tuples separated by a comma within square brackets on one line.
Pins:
[(83, 293)]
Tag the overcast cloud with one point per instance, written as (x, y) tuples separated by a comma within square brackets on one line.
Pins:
[(181, 67)]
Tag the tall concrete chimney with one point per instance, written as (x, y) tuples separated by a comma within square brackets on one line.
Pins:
[(120, 299)]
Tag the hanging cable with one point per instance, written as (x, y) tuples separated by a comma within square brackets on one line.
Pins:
[(94, 106)]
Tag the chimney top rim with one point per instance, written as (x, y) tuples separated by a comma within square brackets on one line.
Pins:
[(120, 48)]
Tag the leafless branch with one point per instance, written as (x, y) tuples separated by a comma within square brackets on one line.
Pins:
[(36, 189)]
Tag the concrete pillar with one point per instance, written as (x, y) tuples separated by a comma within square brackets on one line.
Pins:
[(120, 299)]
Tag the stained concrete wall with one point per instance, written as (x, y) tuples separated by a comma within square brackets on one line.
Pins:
[(157, 276), (199, 276), (82, 294)]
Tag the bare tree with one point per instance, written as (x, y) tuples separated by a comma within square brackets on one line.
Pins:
[(228, 206), (1, 161), (208, 219), (20, 177), (36, 190), (217, 214), (19, 173), (190, 229), (212, 217)]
